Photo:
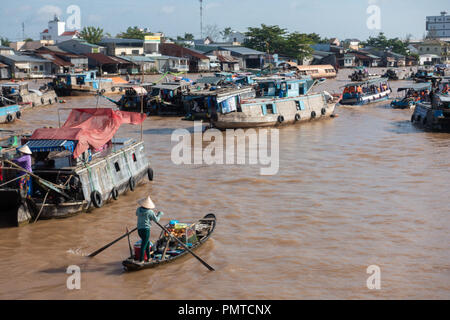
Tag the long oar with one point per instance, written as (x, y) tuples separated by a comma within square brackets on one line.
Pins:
[(93, 254), (184, 246)]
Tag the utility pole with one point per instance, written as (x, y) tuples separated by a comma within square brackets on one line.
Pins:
[(201, 19), (23, 30)]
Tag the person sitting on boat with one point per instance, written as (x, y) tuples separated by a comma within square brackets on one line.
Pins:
[(24, 161), (145, 215)]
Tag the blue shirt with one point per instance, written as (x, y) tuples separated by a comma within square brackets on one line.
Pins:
[(145, 216)]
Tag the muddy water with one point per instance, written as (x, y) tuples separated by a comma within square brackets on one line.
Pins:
[(362, 189)]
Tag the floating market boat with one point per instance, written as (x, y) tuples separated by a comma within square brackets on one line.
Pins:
[(80, 84), (200, 102), (433, 116), (278, 102), (365, 92), (76, 167), (17, 97), (414, 93), (167, 250)]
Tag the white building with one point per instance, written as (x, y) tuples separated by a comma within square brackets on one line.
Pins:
[(439, 26), (57, 32)]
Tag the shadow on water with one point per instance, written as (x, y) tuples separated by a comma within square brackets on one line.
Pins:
[(403, 127), (162, 131)]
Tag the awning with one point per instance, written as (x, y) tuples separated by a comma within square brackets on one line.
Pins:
[(416, 87), (51, 145)]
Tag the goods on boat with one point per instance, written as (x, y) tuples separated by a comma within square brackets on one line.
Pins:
[(414, 93), (166, 250), (75, 168), (365, 92)]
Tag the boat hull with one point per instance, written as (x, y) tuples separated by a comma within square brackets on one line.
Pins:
[(429, 119), (131, 265), (288, 111), (374, 98)]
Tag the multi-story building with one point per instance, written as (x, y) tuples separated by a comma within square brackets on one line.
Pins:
[(57, 32), (438, 26)]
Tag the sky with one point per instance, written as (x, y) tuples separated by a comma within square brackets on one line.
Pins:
[(329, 18)]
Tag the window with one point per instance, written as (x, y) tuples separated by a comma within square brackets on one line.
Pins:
[(134, 157), (297, 103), (269, 108), (116, 165)]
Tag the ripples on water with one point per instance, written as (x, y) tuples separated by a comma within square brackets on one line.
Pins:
[(364, 188)]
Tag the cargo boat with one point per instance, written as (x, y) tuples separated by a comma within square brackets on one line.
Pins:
[(76, 167), (81, 84), (278, 102), (433, 116)]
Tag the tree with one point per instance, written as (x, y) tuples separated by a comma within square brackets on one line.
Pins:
[(273, 39), (381, 42), (92, 34), (5, 42), (188, 37), (28, 40), (226, 33), (133, 33)]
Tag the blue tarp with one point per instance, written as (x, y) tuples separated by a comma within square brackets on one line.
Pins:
[(51, 145)]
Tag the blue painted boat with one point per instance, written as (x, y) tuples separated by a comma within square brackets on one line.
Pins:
[(370, 91), (9, 113), (409, 101)]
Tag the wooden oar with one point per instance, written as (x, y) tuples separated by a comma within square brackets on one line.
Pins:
[(93, 254), (186, 247)]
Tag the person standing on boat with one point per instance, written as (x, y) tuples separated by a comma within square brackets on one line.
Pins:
[(24, 161), (145, 215)]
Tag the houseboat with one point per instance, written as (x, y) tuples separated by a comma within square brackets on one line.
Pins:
[(80, 84), (433, 116), (365, 92), (20, 93), (317, 71), (413, 94), (278, 102), (76, 167), (167, 98)]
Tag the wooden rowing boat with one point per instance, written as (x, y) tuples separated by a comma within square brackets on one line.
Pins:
[(167, 251)]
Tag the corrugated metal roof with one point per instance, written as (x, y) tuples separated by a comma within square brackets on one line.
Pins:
[(121, 40), (50, 145), (242, 50), (24, 58), (138, 59), (104, 59)]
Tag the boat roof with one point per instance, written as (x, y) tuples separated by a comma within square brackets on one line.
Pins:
[(416, 86), (444, 98), (218, 92), (51, 145), (168, 86), (210, 80), (370, 81)]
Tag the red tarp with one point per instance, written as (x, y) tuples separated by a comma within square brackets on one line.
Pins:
[(90, 127)]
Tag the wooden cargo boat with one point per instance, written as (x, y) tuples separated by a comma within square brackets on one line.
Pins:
[(165, 250), (433, 116), (366, 92), (76, 167), (278, 102), (81, 84)]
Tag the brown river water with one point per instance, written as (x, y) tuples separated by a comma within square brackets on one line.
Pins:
[(366, 188)]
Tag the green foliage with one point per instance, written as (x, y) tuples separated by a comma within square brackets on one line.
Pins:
[(226, 33), (5, 42), (381, 42), (273, 39), (133, 33), (91, 34), (28, 40), (188, 37)]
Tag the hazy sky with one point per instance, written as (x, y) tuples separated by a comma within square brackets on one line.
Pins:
[(329, 18)]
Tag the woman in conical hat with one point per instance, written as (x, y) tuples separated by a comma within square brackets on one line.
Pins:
[(24, 161), (145, 215)]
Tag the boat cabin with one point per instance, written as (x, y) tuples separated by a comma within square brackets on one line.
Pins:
[(412, 94), (283, 88)]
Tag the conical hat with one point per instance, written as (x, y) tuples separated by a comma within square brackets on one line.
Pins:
[(24, 149), (147, 203)]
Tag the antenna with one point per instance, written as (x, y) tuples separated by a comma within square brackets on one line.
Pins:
[(23, 30), (201, 19)]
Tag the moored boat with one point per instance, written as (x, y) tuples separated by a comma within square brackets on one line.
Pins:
[(167, 250), (80, 84), (76, 167), (433, 116), (278, 102), (365, 92)]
